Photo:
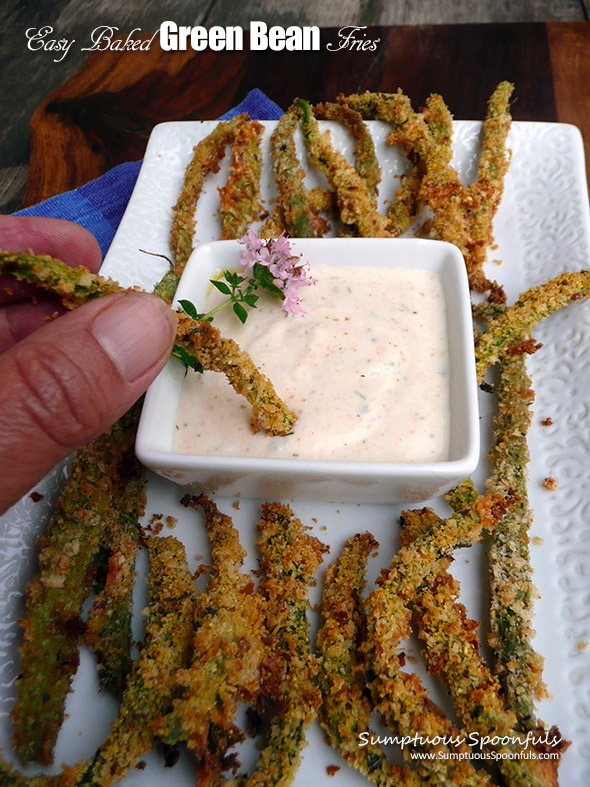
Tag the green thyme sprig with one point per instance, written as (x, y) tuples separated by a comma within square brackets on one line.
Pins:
[(232, 285), (268, 265)]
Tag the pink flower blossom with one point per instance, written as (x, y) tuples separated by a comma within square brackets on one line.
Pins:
[(275, 254), (250, 256)]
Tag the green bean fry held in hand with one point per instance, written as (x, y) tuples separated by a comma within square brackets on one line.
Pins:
[(201, 340)]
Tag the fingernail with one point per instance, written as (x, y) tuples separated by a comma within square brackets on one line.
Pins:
[(135, 331)]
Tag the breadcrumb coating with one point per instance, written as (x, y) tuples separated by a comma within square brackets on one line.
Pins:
[(290, 558), (398, 696), (239, 199), (518, 665), (231, 651), (346, 709), (406, 204), (452, 652), (462, 214), (148, 695), (530, 309), (356, 201), (300, 216), (108, 628), (206, 156), (365, 159), (52, 624)]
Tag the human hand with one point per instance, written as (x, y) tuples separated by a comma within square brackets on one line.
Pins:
[(64, 382)]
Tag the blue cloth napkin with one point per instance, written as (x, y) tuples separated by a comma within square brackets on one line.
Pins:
[(100, 204)]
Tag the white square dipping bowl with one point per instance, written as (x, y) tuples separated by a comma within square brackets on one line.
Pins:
[(329, 481)]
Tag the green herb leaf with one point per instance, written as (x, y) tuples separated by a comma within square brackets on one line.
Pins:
[(240, 312), (187, 359), (189, 309), (221, 287), (233, 278), (250, 299), (266, 280)]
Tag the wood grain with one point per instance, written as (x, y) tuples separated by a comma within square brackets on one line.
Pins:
[(103, 115), (467, 11), (569, 46)]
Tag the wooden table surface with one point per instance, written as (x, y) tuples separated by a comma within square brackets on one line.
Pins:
[(103, 115)]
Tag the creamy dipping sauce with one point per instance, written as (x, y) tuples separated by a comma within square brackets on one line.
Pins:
[(366, 370)]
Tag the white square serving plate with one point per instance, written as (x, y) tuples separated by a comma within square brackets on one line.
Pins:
[(542, 228), (313, 479)]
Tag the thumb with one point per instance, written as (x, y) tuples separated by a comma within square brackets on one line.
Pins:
[(68, 382)]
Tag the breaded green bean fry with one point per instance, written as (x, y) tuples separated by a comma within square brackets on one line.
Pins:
[(406, 204), (462, 215), (148, 695), (365, 158), (439, 182), (493, 162), (216, 353), (289, 561), (532, 306), (399, 697), (108, 628), (518, 666), (440, 122), (240, 198), (483, 196), (387, 605), (202, 340), (346, 710), (230, 651), (53, 624), (300, 215), (452, 652), (357, 204), (74, 286), (206, 156)]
